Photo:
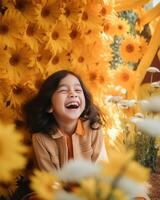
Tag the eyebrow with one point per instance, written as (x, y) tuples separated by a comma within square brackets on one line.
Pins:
[(65, 85)]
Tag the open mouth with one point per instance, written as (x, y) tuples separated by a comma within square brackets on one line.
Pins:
[(72, 105)]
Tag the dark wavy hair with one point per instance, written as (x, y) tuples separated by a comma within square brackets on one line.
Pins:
[(37, 117)]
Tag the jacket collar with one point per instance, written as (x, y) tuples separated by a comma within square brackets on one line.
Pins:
[(79, 131)]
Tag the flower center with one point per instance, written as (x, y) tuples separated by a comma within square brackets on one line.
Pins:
[(31, 29), (80, 59), (3, 29), (17, 90), (85, 16), (120, 27), (92, 76), (73, 34), (106, 27), (129, 48), (67, 12), (21, 5), (55, 60), (125, 77), (45, 12), (104, 11), (55, 35), (15, 59)]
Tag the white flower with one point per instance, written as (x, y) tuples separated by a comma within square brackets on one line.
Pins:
[(151, 105), (127, 103), (133, 188), (140, 115), (155, 84), (153, 70), (148, 126), (75, 170), (113, 99)]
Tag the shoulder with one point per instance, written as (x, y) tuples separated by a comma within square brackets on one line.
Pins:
[(40, 137)]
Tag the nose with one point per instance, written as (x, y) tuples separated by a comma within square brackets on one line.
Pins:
[(72, 94)]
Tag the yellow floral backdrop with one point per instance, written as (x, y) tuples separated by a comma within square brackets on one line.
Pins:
[(39, 37)]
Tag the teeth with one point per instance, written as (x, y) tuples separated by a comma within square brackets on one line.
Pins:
[(72, 104)]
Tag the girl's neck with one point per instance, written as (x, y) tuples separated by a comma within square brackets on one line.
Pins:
[(68, 128)]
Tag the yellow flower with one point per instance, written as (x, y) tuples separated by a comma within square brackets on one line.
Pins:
[(127, 78), (20, 60), (129, 50), (45, 184), (121, 27), (26, 7), (58, 38), (12, 26), (33, 36), (143, 45), (47, 13), (106, 10), (89, 17), (70, 11), (122, 164), (59, 62), (109, 26), (19, 92), (42, 58), (12, 150)]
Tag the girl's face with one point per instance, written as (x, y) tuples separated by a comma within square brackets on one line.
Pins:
[(68, 101)]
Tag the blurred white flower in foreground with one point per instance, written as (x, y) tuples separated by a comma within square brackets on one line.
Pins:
[(151, 105), (75, 170), (63, 195), (125, 104), (148, 126), (155, 84)]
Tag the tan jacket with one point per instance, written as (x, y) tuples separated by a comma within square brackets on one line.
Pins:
[(51, 151)]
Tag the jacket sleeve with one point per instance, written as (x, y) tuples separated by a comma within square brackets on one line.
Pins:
[(41, 154), (97, 144)]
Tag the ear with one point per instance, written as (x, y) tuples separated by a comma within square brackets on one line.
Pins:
[(50, 110)]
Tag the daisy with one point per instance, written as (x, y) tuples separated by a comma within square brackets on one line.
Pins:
[(26, 7), (109, 26), (33, 36), (121, 26), (20, 60), (11, 157), (58, 62), (58, 38), (89, 17), (70, 11), (129, 50), (12, 26), (126, 78), (47, 13)]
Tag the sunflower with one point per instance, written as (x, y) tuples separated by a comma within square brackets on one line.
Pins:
[(20, 91), (129, 50), (58, 38), (121, 26), (126, 78), (12, 150), (45, 184), (33, 36), (89, 17), (58, 62), (47, 13), (20, 60), (91, 36), (42, 58), (109, 26), (143, 45), (26, 7), (106, 10), (12, 26), (70, 12)]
